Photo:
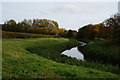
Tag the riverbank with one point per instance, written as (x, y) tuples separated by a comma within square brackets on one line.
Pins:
[(102, 51), (53, 52), (18, 62)]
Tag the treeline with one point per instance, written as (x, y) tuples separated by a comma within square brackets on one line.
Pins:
[(108, 29), (6, 34), (36, 26)]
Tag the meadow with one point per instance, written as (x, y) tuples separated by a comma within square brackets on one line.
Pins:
[(20, 62), (103, 51)]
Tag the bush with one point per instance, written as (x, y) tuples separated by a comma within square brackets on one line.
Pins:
[(24, 35)]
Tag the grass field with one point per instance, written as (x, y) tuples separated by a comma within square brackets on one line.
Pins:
[(102, 51), (20, 63)]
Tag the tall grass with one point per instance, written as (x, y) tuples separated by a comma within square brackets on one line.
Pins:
[(102, 51), (53, 52)]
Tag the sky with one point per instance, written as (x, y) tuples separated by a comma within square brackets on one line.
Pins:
[(59, 0), (69, 15)]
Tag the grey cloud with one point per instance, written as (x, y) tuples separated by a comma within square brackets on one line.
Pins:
[(76, 9), (67, 9)]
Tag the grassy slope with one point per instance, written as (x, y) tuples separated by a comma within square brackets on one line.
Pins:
[(54, 53), (17, 62)]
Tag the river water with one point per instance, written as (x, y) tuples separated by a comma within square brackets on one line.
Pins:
[(74, 52)]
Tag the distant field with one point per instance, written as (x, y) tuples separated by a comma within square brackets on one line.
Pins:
[(20, 63), (6, 34)]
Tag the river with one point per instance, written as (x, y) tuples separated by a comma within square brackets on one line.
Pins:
[(74, 52)]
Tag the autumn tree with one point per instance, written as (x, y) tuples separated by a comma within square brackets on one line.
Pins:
[(113, 24), (26, 22), (9, 25), (72, 33), (88, 32), (11, 22), (45, 23)]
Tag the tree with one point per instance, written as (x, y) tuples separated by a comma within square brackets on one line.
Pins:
[(9, 25), (11, 22), (113, 23), (45, 23), (71, 33), (62, 32), (88, 32), (26, 22), (39, 26), (55, 24)]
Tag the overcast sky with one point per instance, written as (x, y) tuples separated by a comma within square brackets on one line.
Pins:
[(59, 0), (69, 15)]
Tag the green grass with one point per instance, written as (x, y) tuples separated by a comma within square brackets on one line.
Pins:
[(54, 53), (20, 63), (102, 51)]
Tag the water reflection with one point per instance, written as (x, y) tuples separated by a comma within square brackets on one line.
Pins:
[(74, 53)]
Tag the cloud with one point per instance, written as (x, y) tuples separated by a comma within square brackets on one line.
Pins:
[(71, 9), (63, 10)]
